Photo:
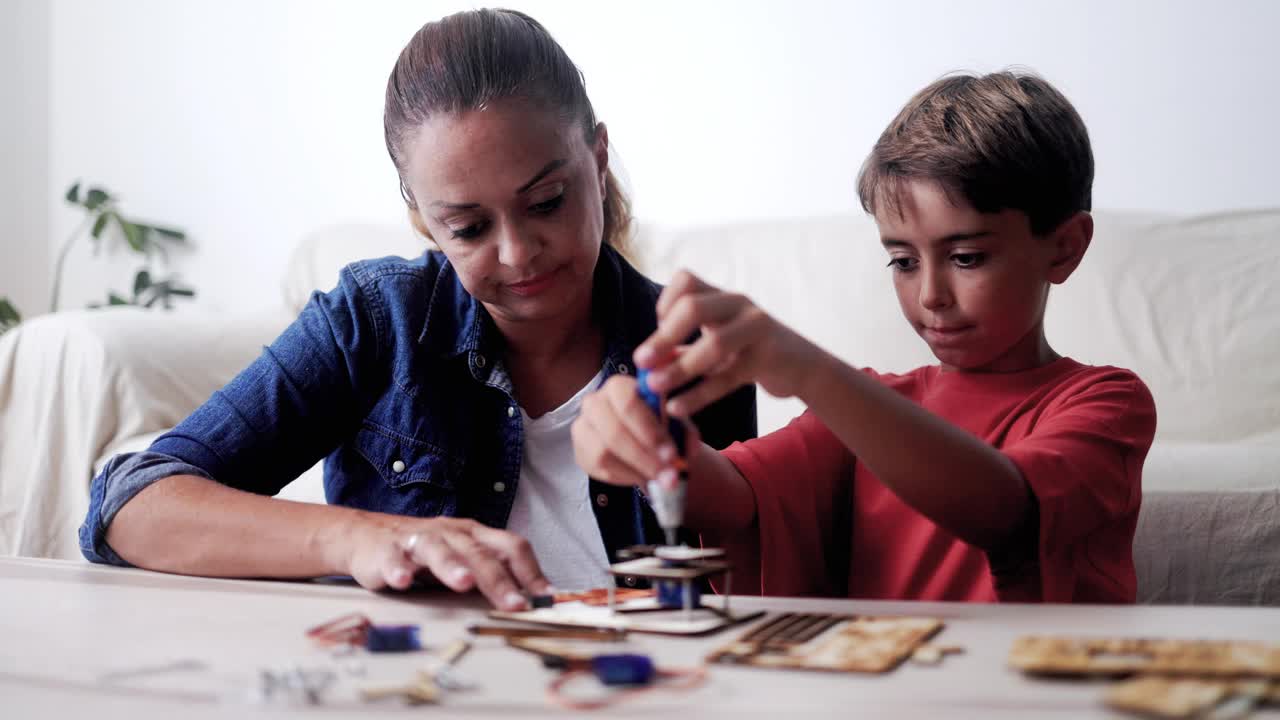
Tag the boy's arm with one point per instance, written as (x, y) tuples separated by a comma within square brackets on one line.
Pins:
[(719, 498), (958, 481), (983, 500)]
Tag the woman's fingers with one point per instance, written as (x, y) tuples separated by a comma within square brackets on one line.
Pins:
[(450, 568), (519, 557), (463, 554), (492, 575), (398, 571)]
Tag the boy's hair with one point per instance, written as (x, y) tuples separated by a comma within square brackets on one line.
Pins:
[(1004, 141)]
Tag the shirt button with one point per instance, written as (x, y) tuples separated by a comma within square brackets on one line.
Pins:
[(622, 368), (398, 466), (499, 486), (629, 581), (511, 411), (480, 361), (602, 500)]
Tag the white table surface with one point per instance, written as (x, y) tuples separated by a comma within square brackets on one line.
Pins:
[(66, 624)]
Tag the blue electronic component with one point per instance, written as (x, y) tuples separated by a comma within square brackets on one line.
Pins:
[(392, 638), (671, 594), (623, 669)]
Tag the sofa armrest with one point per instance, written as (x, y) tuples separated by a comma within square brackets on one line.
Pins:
[(75, 383)]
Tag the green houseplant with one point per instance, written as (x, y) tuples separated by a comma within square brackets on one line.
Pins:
[(102, 218)]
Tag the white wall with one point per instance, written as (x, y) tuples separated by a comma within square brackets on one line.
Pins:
[(251, 122), (24, 154)]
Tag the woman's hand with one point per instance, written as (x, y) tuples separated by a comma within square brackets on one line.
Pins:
[(389, 551), (739, 344), (619, 440)]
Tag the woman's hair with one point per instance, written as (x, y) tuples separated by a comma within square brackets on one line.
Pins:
[(1008, 140), (471, 59)]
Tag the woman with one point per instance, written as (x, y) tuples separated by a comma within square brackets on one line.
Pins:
[(441, 390)]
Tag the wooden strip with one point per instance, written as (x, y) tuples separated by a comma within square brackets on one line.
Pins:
[(821, 624), (778, 638), (765, 629)]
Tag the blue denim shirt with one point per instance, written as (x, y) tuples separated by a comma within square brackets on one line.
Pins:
[(396, 378)]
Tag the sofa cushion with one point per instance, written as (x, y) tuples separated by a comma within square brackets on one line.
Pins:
[(1191, 304), (320, 255)]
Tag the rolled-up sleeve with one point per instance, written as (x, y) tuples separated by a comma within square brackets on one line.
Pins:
[(123, 477), (1083, 465)]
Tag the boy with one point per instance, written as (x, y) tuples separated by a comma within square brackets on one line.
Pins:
[(1006, 472)]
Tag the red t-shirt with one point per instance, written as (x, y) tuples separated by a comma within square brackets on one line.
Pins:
[(825, 525)]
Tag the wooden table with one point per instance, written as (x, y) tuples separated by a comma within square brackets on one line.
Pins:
[(66, 625)]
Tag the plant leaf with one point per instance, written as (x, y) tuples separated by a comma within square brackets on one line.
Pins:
[(144, 236), (8, 314), (184, 292), (73, 193), (170, 233), (96, 198), (141, 282), (114, 299), (100, 223), (132, 235)]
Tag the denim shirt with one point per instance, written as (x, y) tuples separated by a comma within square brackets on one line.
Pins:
[(396, 378)]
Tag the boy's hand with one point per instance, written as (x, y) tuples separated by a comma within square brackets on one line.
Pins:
[(739, 344), (619, 440)]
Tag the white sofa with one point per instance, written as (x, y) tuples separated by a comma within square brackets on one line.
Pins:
[(1190, 303)]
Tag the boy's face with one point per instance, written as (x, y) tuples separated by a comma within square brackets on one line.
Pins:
[(972, 284)]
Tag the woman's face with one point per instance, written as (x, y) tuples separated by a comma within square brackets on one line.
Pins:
[(513, 195)]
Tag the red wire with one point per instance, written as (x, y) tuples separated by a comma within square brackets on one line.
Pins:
[(348, 629)]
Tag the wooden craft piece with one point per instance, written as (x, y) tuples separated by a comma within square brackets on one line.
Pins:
[(1044, 655), (933, 654), (1183, 697), (835, 643), (422, 691), (642, 615), (638, 615)]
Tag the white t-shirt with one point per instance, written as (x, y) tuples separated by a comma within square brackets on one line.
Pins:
[(552, 508)]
